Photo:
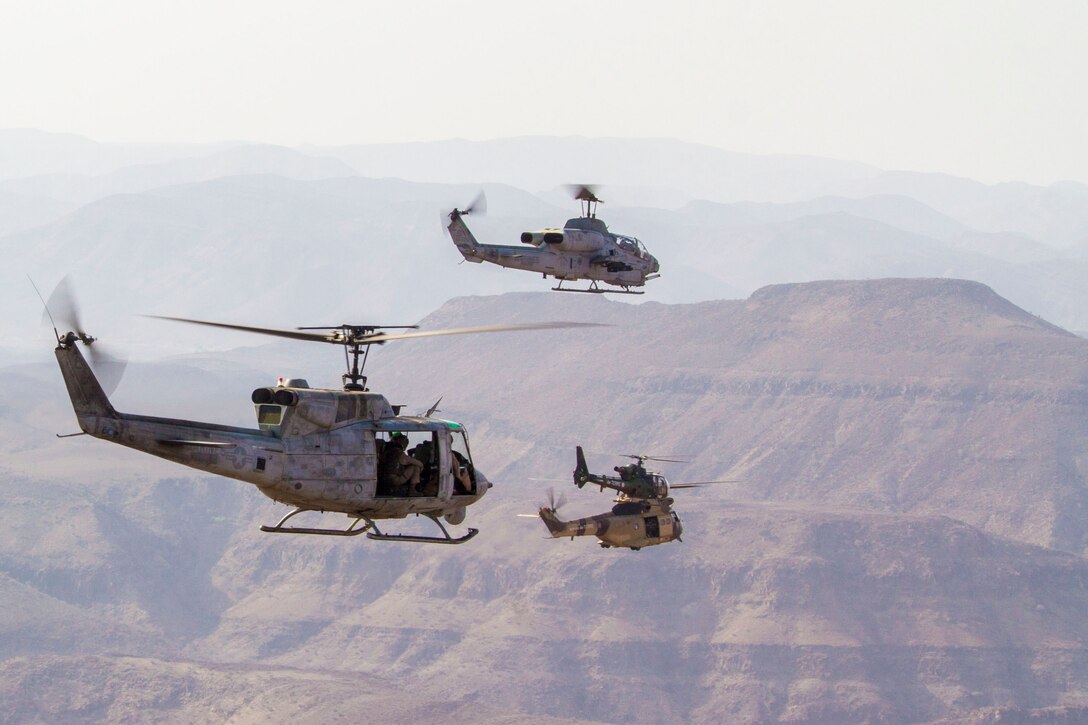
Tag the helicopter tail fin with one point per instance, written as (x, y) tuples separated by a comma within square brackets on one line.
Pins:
[(462, 237), (556, 526), (581, 470), (88, 398)]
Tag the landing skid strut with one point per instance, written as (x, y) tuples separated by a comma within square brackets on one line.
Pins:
[(593, 289), (279, 528), (377, 535), (370, 529)]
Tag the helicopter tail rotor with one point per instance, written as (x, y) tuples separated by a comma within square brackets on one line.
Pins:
[(109, 367), (478, 206), (549, 513), (554, 502), (549, 510)]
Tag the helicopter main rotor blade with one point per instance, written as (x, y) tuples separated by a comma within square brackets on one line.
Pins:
[(338, 338), (696, 484), (480, 330), (655, 458), (290, 334)]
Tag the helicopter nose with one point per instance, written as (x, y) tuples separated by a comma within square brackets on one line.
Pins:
[(482, 484)]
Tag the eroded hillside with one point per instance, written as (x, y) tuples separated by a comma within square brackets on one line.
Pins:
[(904, 542)]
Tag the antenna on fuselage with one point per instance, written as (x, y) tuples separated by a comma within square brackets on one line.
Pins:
[(45, 306)]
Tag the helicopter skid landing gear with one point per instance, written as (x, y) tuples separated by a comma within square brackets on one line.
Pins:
[(593, 289), (377, 535), (279, 528), (370, 529)]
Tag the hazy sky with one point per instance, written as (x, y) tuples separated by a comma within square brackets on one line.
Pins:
[(992, 90)]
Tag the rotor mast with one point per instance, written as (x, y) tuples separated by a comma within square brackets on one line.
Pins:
[(354, 379), (356, 344), (589, 201)]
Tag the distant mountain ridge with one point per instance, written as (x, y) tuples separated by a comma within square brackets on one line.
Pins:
[(30, 152), (265, 248), (225, 219), (234, 161), (635, 170)]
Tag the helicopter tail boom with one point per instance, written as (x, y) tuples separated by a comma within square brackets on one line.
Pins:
[(223, 450), (582, 476), (558, 528)]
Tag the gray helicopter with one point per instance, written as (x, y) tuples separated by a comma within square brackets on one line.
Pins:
[(583, 249), (347, 451)]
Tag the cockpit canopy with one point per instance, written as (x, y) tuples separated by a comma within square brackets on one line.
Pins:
[(632, 246)]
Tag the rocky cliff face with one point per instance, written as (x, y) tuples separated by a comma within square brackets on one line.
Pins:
[(905, 542), (914, 396)]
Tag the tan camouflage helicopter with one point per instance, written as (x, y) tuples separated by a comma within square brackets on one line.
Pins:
[(583, 249), (642, 516), (347, 451)]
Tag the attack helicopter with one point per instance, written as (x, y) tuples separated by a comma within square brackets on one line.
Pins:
[(346, 451), (642, 515), (583, 249)]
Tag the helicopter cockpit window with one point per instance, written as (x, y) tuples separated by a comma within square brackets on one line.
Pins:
[(464, 475), (661, 487), (632, 245), (269, 417), (407, 464)]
